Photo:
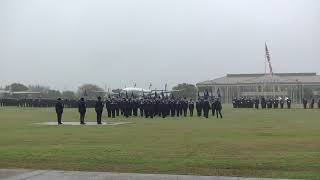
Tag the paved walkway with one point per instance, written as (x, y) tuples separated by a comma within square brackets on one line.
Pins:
[(90, 123), (16, 174)]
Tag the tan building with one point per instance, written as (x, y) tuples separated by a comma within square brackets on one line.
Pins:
[(293, 85)]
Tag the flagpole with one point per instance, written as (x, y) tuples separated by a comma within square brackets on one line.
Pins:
[(265, 71)]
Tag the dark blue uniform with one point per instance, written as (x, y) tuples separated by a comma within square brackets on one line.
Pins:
[(99, 109), (59, 110), (82, 110)]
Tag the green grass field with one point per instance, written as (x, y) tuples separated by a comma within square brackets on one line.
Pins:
[(247, 142)]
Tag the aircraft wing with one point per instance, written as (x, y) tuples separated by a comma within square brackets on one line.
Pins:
[(107, 93), (24, 92), (166, 91), (100, 91), (3, 91)]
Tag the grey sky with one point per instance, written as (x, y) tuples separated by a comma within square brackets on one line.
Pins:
[(64, 43)]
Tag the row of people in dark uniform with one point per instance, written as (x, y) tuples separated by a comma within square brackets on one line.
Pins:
[(264, 103), (148, 107), (41, 102), (270, 103), (311, 104)]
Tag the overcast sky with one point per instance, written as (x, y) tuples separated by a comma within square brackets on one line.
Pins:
[(65, 43)]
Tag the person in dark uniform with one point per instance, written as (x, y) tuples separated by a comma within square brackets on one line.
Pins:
[(113, 107), (234, 103), (82, 110), (312, 103), (141, 107), (135, 106), (256, 103), (289, 103), (126, 108), (281, 103), (185, 105), (319, 103), (191, 107), (206, 108), (172, 106), (178, 107), (99, 109), (59, 110), (152, 109), (198, 107), (263, 103), (117, 107), (162, 108), (305, 102), (213, 107), (108, 102), (269, 103), (276, 103), (219, 108)]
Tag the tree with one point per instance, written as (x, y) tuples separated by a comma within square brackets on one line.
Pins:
[(185, 90), (52, 94), (38, 88), (90, 91), (17, 87), (68, 95)]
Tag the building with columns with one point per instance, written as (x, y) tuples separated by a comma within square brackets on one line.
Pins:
[(293, 85)]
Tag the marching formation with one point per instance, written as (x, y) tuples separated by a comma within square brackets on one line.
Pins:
[(148, 107), (269, 103), (263, 103)]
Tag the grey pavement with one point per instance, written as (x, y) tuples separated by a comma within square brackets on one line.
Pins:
[(16, 174), (52, 123)]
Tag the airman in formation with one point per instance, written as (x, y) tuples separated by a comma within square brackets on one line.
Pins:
[(149, 107), (264, 103)]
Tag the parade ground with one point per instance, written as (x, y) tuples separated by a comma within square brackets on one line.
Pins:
[(260, 143)]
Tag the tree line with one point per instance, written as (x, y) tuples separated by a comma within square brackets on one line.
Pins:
[(91, 91)]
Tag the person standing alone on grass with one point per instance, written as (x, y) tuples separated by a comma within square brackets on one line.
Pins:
[(82, 110), (59, 110), (218, 108), (99, 109)]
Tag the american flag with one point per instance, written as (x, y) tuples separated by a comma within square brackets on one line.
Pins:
[(268, 59), (206, 94)]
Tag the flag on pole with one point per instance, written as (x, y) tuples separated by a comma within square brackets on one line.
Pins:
[(268, 59), (206, 94)]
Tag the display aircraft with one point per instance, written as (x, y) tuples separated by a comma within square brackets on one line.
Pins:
[(140, 92), (10, 92)]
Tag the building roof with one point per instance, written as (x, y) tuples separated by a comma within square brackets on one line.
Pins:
[(281, 78)]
